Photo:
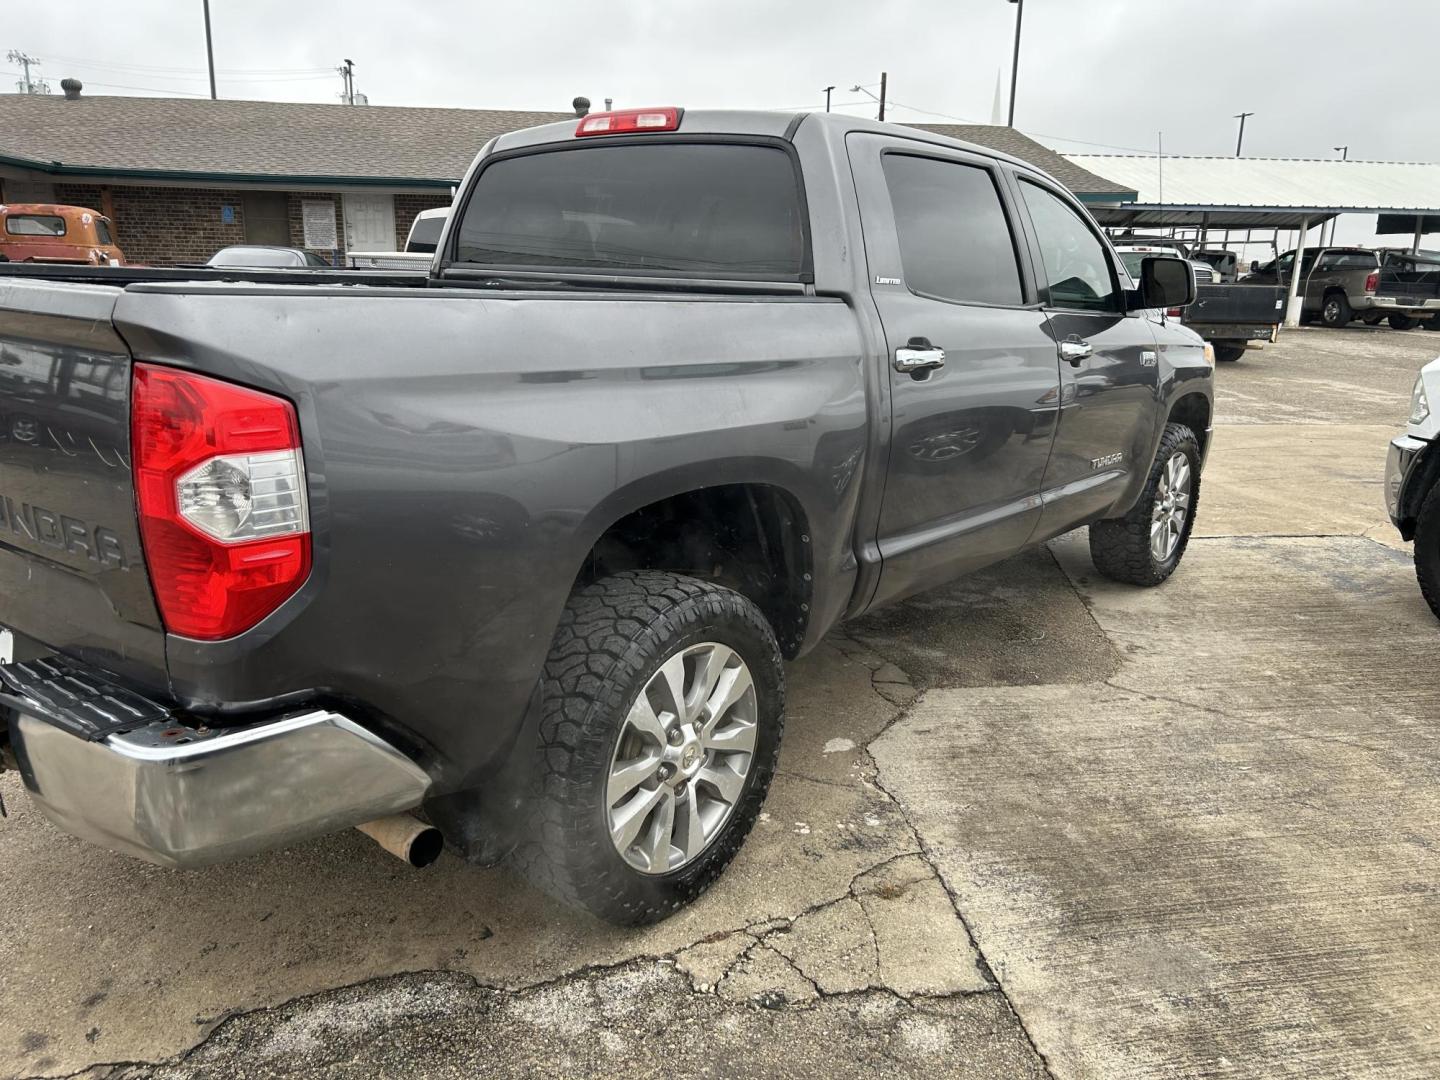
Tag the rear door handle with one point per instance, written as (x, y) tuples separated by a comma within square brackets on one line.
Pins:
[(1075, 350), (908, 361)]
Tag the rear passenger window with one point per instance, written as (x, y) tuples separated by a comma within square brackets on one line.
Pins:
[(1077, 265), (955, 243)]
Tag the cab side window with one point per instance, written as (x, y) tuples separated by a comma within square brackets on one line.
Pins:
[(955, 243), (1077, 266)]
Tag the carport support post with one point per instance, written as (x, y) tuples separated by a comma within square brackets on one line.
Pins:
[(1292, 304), (1419, 229)]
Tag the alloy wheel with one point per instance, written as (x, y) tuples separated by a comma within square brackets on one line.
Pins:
[(682, 758), (1172, 506)]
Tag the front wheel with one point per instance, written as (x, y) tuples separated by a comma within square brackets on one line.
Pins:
[(1145, 546), (662, 708), (1427, 549), (1402, 322)]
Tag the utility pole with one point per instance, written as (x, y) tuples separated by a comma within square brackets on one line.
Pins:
[(1015, 61), (209, 50), (347, 72), (27, 85), (827, 97), (883, 78), (1343, 151), (1240, 140)]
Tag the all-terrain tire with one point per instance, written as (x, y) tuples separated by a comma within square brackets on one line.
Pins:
[(613, 636), (1427, 549), (1120, 547)]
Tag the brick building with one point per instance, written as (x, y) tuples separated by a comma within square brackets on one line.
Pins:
[(180, 179)]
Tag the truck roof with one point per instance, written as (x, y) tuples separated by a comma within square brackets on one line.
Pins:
[(764, 124)]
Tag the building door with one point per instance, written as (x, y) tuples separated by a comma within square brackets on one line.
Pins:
[(267, 218), (370, 223)]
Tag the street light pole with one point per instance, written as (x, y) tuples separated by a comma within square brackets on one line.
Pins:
[(827, 97), (1015, 60), (1343, 151), (1240, 139), (209, 50)]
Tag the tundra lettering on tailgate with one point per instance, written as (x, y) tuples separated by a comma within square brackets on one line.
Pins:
[(63, 532)]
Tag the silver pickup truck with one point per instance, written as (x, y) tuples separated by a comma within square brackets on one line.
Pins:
[(522, 541)]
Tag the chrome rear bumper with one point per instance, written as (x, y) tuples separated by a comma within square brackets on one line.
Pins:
[(185, 796)]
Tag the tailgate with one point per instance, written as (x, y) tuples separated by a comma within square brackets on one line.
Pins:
[(72, 576), (1264, 304)]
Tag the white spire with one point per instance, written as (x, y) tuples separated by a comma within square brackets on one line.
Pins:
[(997, 112)]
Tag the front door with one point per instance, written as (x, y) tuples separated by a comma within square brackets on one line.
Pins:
[(1109, 370), (370, 223), (972, 370)]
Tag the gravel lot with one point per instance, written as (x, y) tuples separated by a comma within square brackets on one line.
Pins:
[(1034, 824)]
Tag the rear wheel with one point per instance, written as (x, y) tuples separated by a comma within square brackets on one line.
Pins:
[(1402, 322), (661, 717), (1427, 549), (1372, 320), (1336, 310), (1228, 353), (1145, 546)]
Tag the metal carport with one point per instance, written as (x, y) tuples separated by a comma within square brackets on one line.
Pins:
[(1265, 193)]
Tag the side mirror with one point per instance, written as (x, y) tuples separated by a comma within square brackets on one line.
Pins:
[(1165, 282), (1254, 266)]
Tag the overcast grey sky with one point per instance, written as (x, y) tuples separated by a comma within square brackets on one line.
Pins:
[(1316, 73)]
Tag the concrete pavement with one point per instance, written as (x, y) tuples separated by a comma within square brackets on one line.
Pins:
[(1031, 824)]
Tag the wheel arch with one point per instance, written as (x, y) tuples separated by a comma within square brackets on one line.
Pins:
[(1194, 411), (752, 535)]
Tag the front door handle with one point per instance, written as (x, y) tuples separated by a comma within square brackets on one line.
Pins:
[(908, 360), (1075, 350)]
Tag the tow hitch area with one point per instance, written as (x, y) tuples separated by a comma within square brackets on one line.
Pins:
[(128, 773)]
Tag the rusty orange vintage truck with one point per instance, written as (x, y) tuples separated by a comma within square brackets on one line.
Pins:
[(46, 233)]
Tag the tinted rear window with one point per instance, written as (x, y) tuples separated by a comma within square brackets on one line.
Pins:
[(35, 225), (955, 243), (705, 210), (425, 234)]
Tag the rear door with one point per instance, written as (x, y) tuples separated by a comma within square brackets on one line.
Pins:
[(1109, 373), (972, 370)]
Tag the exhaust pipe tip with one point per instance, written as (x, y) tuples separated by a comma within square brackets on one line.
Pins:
[(407, 838)]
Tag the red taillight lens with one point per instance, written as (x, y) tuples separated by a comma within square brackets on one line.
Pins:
[(630, 121), (1373, 281), (1173, 312), (220, 486)]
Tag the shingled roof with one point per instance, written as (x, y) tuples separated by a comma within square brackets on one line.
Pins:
[(199, 139)]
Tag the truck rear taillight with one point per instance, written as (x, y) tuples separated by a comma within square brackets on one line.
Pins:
[(1174, 312), (630, 121), (1373, 281), (220, 486)]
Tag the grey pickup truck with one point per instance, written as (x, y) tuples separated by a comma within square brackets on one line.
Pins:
[(520, 543)]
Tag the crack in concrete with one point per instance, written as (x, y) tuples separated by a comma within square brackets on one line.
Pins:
[(987, 970)]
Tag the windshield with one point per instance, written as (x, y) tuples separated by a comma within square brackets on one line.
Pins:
[(714, 210)]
